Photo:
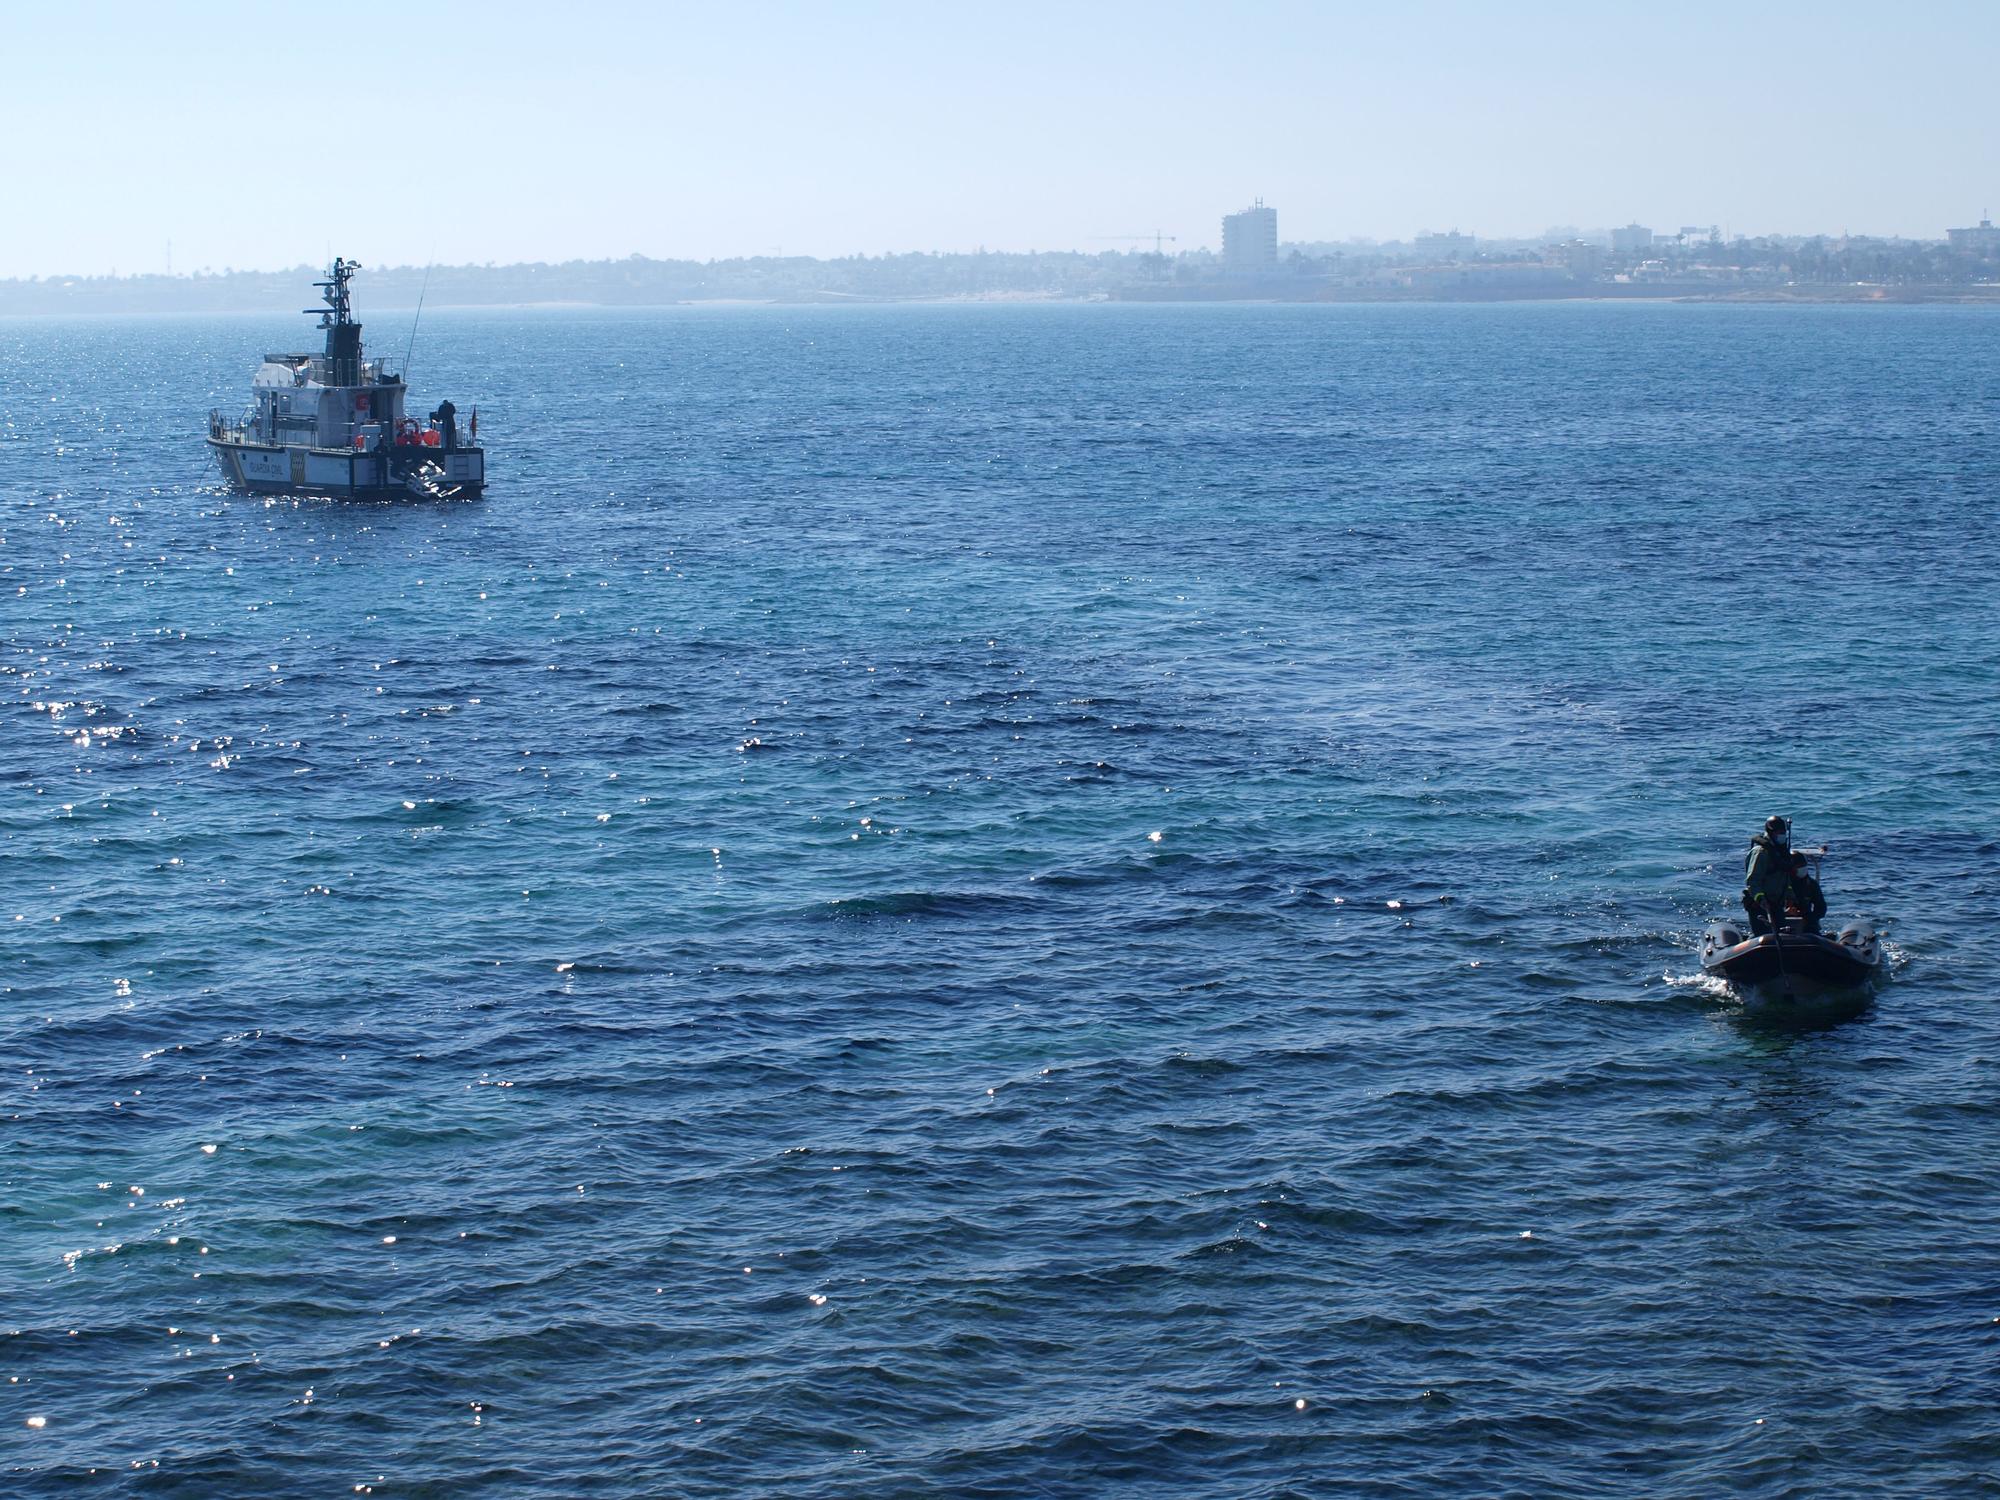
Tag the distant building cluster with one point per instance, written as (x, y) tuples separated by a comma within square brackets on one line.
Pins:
[(1632, 257)]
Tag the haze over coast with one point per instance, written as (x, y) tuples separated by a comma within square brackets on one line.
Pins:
[(541, 135), (1632, 261)]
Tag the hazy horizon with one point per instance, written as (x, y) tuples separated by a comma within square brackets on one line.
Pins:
[(316, 266), (520, 134)]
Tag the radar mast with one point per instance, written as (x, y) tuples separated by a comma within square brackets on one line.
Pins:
[(334, 291), (343, 334)]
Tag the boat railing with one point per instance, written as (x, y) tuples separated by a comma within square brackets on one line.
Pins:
[(224, 428)]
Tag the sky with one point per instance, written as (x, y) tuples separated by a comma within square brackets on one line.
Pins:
[(265, 136)]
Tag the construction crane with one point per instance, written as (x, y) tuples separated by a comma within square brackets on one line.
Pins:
[(1156, 237)]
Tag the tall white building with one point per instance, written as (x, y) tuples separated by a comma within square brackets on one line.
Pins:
[(1982, 239), (1250, 241), (1631, 239), (1453, 246)]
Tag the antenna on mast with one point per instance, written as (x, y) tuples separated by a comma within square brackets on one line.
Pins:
[(412, 349), (334, 291)]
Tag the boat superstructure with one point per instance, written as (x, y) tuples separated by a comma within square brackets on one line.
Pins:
[(336, 423)]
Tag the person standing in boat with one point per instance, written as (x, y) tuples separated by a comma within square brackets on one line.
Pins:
[(1806, 898), (1767, 875), (446, 416)]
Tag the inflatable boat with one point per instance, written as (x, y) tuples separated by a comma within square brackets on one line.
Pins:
[(1794, 959)]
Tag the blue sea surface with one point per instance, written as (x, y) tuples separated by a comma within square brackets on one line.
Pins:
[(1004, 901)]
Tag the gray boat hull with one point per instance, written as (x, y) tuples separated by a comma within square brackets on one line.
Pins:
[(445, 473)]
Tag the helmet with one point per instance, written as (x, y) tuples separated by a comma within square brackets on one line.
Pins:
[(1777, 828)]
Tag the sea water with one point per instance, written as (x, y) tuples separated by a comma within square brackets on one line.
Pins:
[(1003, 900)]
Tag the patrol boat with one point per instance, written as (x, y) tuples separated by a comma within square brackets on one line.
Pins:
[(334, 423)]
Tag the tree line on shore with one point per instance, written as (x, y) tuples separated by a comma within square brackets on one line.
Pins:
[(639, 281)]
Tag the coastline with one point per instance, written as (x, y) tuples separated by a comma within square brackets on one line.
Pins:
[(1802, 296), (1939, 294)]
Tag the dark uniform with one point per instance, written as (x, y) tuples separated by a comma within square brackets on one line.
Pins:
[(446, 416), (1767, 875), (1806, 897)]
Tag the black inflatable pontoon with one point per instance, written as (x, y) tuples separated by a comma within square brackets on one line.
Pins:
[(1845, 959)]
